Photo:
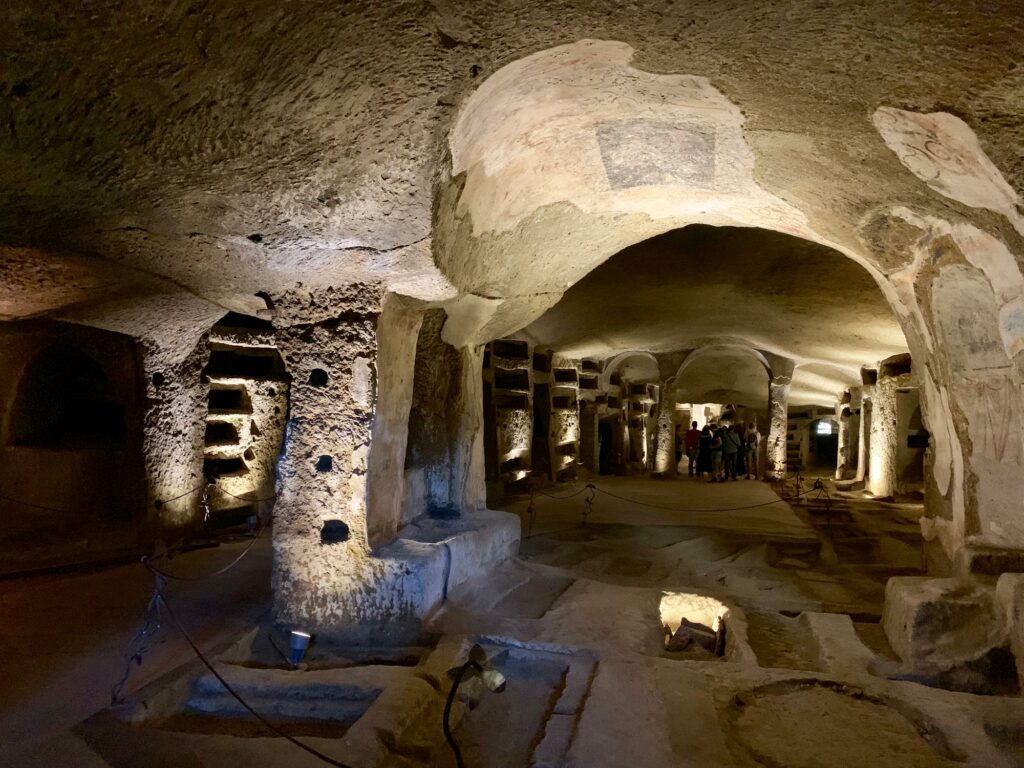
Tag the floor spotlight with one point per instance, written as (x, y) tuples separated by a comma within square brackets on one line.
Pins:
[(299, 644)]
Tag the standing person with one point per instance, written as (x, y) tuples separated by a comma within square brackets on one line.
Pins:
[(731, 445), (692, 441), (751, 444), (704, 464), (716, 455)]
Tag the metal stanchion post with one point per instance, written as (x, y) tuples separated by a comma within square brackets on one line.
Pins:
[(588, 503)]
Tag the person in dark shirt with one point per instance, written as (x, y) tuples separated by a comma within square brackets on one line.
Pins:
[(704, 464), (692, 442)]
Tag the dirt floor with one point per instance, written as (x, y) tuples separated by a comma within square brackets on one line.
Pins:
[(781, 661)]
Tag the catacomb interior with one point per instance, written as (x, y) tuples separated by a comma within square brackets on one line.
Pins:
[(518, 384)]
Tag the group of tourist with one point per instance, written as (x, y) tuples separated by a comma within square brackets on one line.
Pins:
[(721, 452)]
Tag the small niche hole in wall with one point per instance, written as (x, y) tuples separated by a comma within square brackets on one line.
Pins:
[(318, 377), (333, 532), (324, 464), (158, 379)]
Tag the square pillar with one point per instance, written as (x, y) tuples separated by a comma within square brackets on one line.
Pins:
[(350, 396)]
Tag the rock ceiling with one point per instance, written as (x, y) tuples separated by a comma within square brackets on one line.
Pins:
[(192, 154)]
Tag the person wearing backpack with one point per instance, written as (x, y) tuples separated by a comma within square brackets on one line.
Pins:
[(731, 442)]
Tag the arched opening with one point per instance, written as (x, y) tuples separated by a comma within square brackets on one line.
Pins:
[(71, 468), (823, 445), (912, 442), (66, 402)]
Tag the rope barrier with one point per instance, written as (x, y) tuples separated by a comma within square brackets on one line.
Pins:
[(562, 498), (159, 503), (173, 577), (31, 505)]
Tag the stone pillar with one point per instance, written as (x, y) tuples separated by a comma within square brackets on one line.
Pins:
[(864, 431), (397, 331), (324, 579), (664, 451), (778, 417), (173, 432), (467, 454), (882, 472), (853, 435), (843, 461)]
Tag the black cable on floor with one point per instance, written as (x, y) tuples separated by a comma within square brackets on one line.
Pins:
[(158, 589), (445, 725)]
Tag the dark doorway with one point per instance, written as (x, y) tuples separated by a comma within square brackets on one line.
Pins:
[(605, 448), (490, 434), (824, 444)]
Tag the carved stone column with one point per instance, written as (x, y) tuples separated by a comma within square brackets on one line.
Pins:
[(665, 443), (778, 417), (843, 461)]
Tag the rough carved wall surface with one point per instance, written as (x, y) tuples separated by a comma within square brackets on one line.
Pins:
[(433, 420), (322, 561)]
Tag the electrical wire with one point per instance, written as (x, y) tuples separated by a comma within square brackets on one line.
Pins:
[(445, 725), (158, 590)]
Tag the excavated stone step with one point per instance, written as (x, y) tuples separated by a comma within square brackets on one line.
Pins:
[(328, 695)]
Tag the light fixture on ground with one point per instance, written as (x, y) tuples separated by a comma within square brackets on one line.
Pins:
[(299, 644)]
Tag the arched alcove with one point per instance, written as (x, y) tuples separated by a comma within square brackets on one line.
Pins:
[(65, 400), (71, 462), (722, 374)]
